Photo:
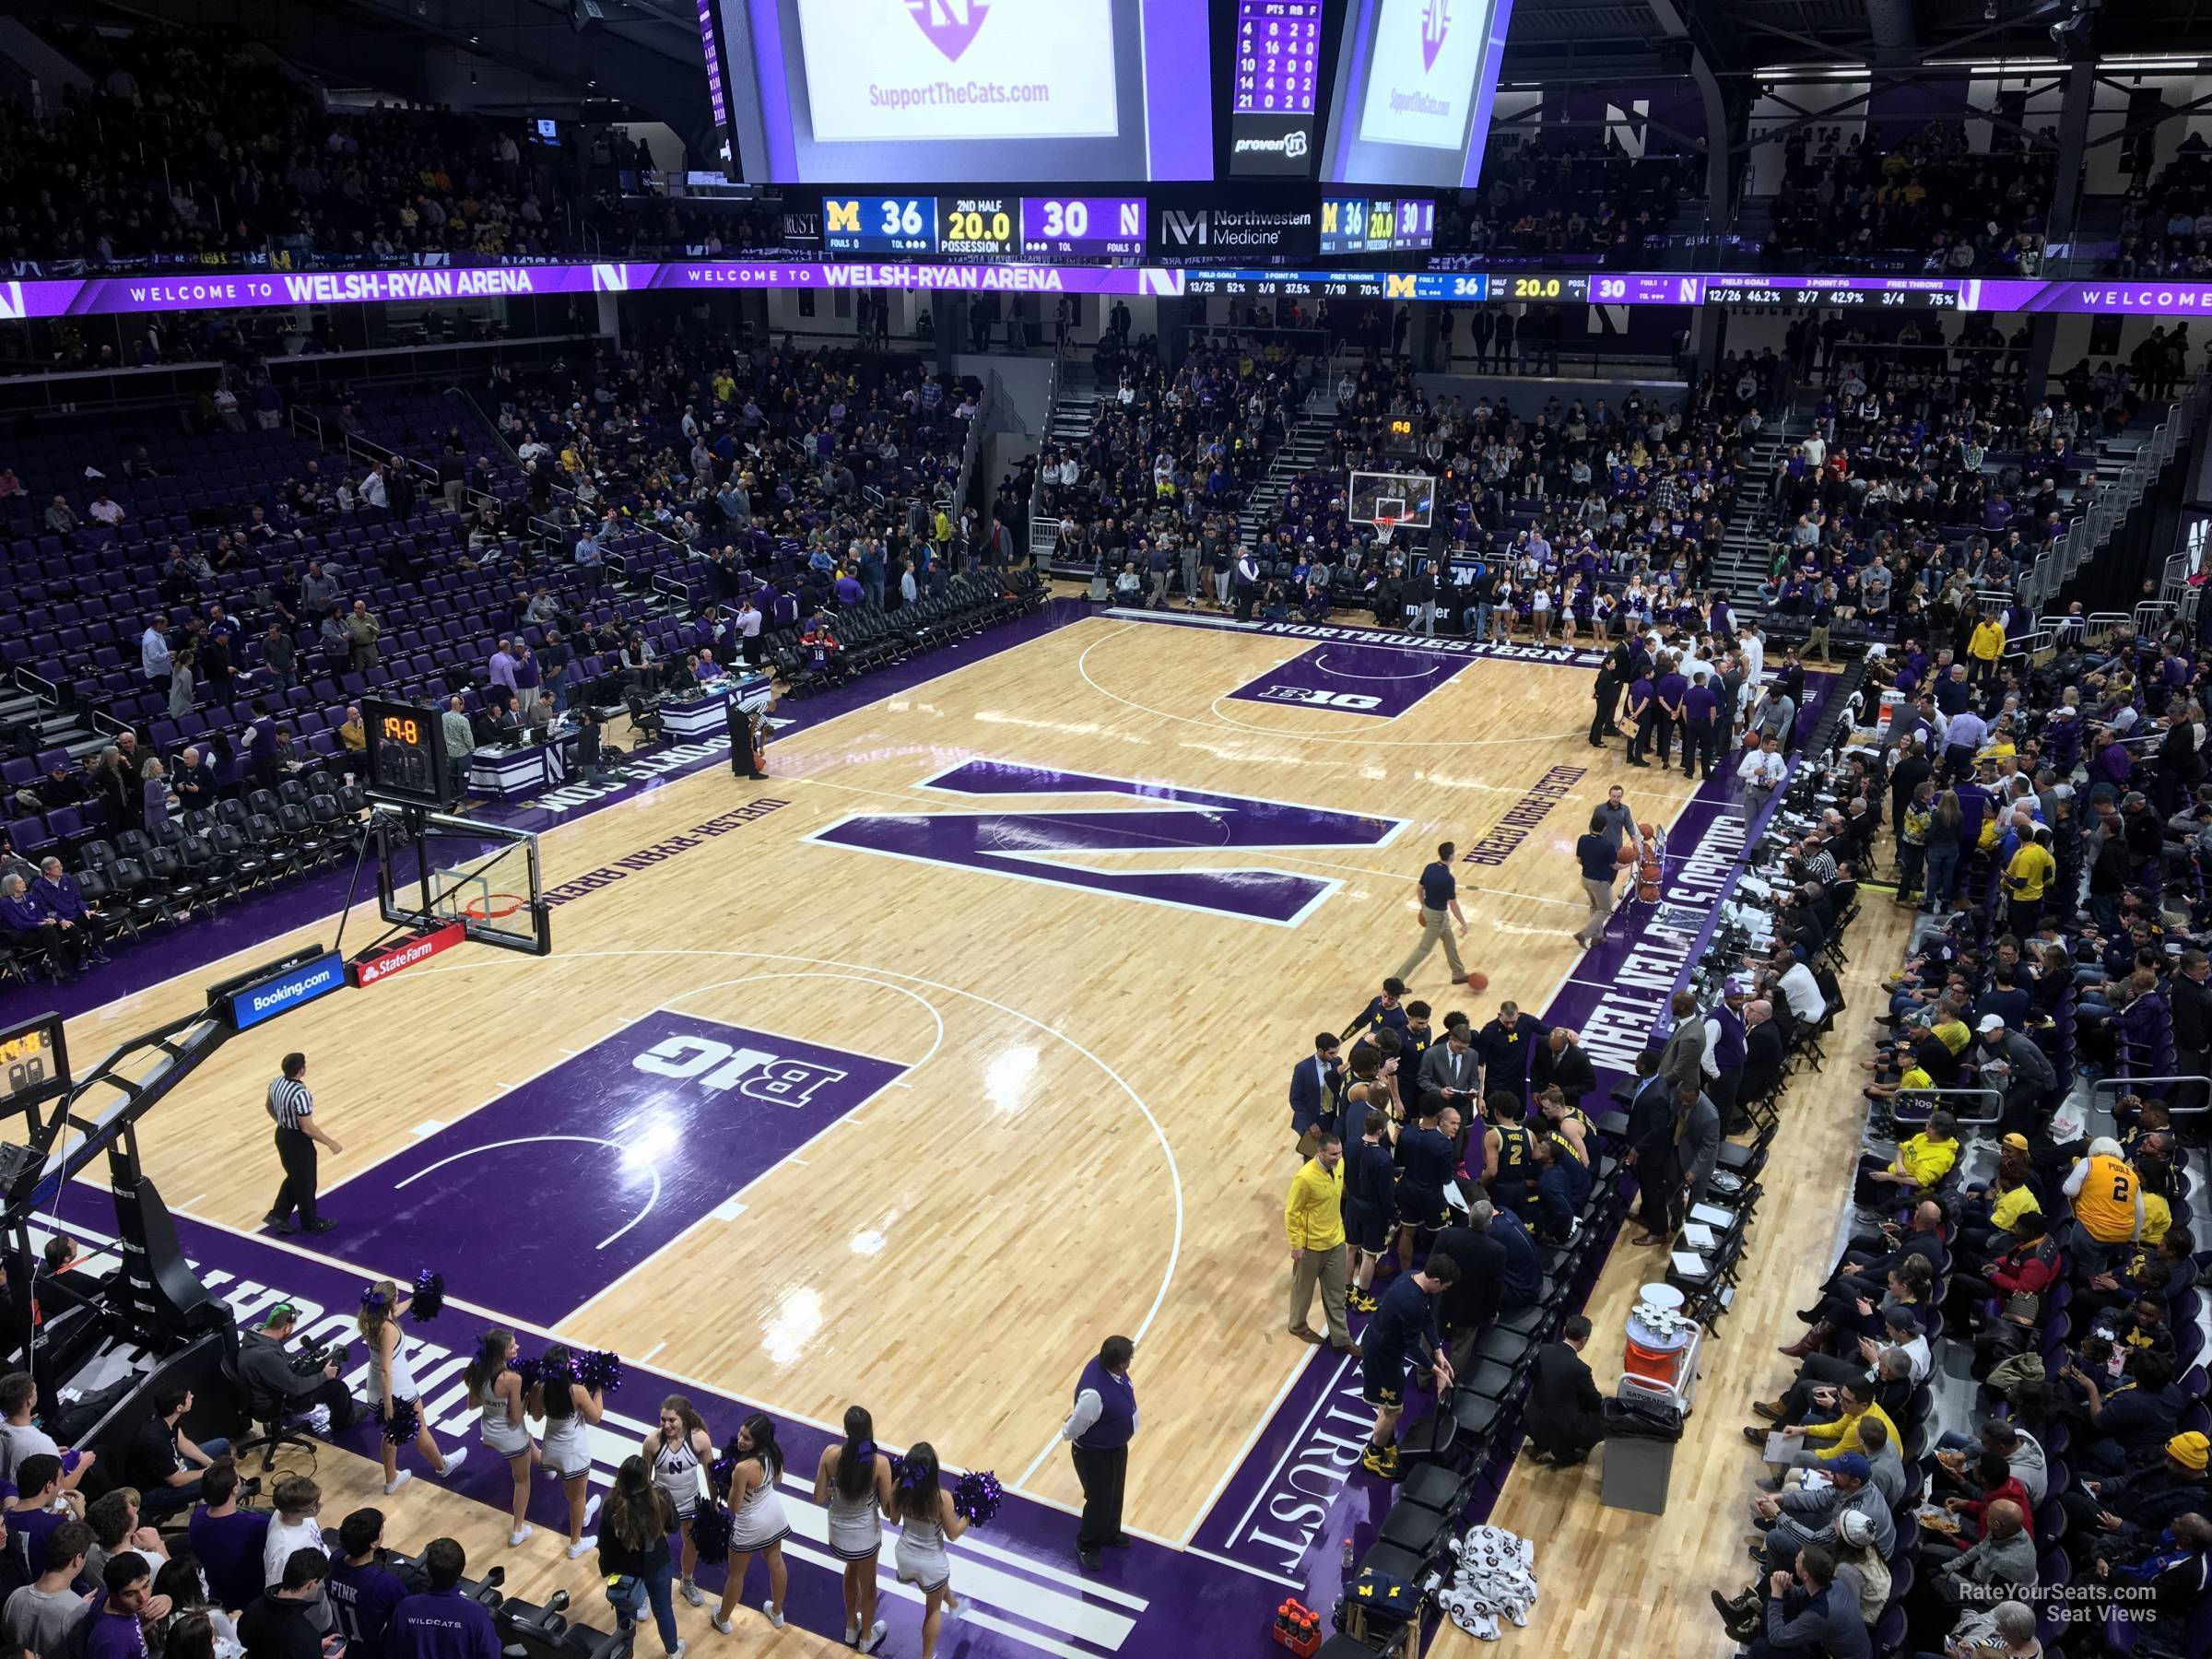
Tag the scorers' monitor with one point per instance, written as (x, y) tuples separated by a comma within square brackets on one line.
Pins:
[(886, 91), (407, 762)]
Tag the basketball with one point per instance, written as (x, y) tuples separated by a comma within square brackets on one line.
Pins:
[(1624, 854), (1478, 982)]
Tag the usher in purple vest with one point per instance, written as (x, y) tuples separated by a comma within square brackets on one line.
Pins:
[(1117, 1410)]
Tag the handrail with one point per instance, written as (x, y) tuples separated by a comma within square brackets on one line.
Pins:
[(2117, 1084), (1996, 1095)]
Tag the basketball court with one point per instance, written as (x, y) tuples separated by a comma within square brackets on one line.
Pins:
[(962, 1042)]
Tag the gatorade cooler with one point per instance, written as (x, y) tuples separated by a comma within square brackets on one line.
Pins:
[(1654, 1355)]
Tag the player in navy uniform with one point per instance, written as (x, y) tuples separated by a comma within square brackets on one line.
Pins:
[(1369, 1205), (1404, 1324), (1509, 1165), (1386, 1011), (1428, 1165)]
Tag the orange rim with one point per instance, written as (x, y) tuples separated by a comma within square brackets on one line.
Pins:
[(493, 907)]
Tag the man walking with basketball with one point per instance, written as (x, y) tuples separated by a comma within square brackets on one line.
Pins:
[(293, 1110), (1440, 910)]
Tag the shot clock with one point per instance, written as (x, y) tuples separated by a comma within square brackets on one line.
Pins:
[(34, 1062), (407, 762)]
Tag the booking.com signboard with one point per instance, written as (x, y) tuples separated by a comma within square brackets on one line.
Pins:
[(244, 1004)]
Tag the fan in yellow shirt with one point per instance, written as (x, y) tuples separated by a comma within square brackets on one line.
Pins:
[(1921, 1160)]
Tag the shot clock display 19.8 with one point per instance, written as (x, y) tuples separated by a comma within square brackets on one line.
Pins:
[(407, 762), (34, 1062)]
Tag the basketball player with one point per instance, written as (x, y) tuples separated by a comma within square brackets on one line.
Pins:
[(1439, 891), (757, 1523), (392, 1382), (1509, 1172), (1404, 1323), (853, 1484), (1427, 1161), (495, 1389), (1369, 1205), (676, 1450)]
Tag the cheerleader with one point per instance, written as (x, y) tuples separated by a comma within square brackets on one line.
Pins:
[(854, 1482), (495, 1388), (391, 1384), (1539, 613), (928, 1523), (677, 1451), (568, 1410), (756, 1523)]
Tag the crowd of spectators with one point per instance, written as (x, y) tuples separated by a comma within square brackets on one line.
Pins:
[(189, 145), (222, 603), (1996, 1401), (1928, 201)]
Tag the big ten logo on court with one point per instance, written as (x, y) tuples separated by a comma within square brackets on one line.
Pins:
[(1319, 698), (753, 1073)]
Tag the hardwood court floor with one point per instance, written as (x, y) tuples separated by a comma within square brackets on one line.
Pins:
[(1617, 1582), (1091, 1136)]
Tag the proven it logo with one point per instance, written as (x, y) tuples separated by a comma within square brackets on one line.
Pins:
[(950, 24), (1436, 22)]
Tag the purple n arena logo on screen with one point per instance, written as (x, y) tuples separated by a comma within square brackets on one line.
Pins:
[(950, 24), (1149, 818), (1436, 23)]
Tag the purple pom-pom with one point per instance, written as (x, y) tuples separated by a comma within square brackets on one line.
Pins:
[(600, 1370), (403, 1424), (710, 1532), (428, 1299), (976, 1497)]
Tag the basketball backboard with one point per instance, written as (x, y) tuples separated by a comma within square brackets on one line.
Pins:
[(436, 868)]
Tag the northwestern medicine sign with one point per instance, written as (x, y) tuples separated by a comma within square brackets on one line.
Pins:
[(29, 299)]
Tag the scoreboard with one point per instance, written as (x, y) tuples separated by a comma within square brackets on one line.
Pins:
[(1378, 225), (987, 227)]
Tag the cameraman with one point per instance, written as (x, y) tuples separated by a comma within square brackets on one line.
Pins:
[(270, 1373)]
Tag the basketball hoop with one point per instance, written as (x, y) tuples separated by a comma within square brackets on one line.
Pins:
[(1386, 525), (493, 907)]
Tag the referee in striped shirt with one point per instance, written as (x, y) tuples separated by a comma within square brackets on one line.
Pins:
[(293, 1111)]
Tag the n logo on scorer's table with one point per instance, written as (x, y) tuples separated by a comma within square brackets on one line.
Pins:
[(1039, 845)]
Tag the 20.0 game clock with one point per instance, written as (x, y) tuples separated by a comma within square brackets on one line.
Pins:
[(407, 762)]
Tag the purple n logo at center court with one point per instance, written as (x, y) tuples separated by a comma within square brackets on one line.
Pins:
[(1379, 680), (1034, 845), (544, 1197)]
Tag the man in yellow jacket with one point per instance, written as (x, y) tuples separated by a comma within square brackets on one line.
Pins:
[(1921, 1161), (1984, 648), (1314, 1220), (2028, 878)]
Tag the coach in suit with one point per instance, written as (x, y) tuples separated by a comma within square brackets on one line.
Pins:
[(1559, 1062), (1451, 1068), (1682, 1061), (1764, 1053), (1316, 1093), (1565, 1415), (1650, 1140)]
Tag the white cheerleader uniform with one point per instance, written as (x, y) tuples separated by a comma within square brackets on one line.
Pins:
[(567, 1447), (855, 1526), (402, 1385), (758, 1522), (921, 1557), (507, 1437), (675, 1472)]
